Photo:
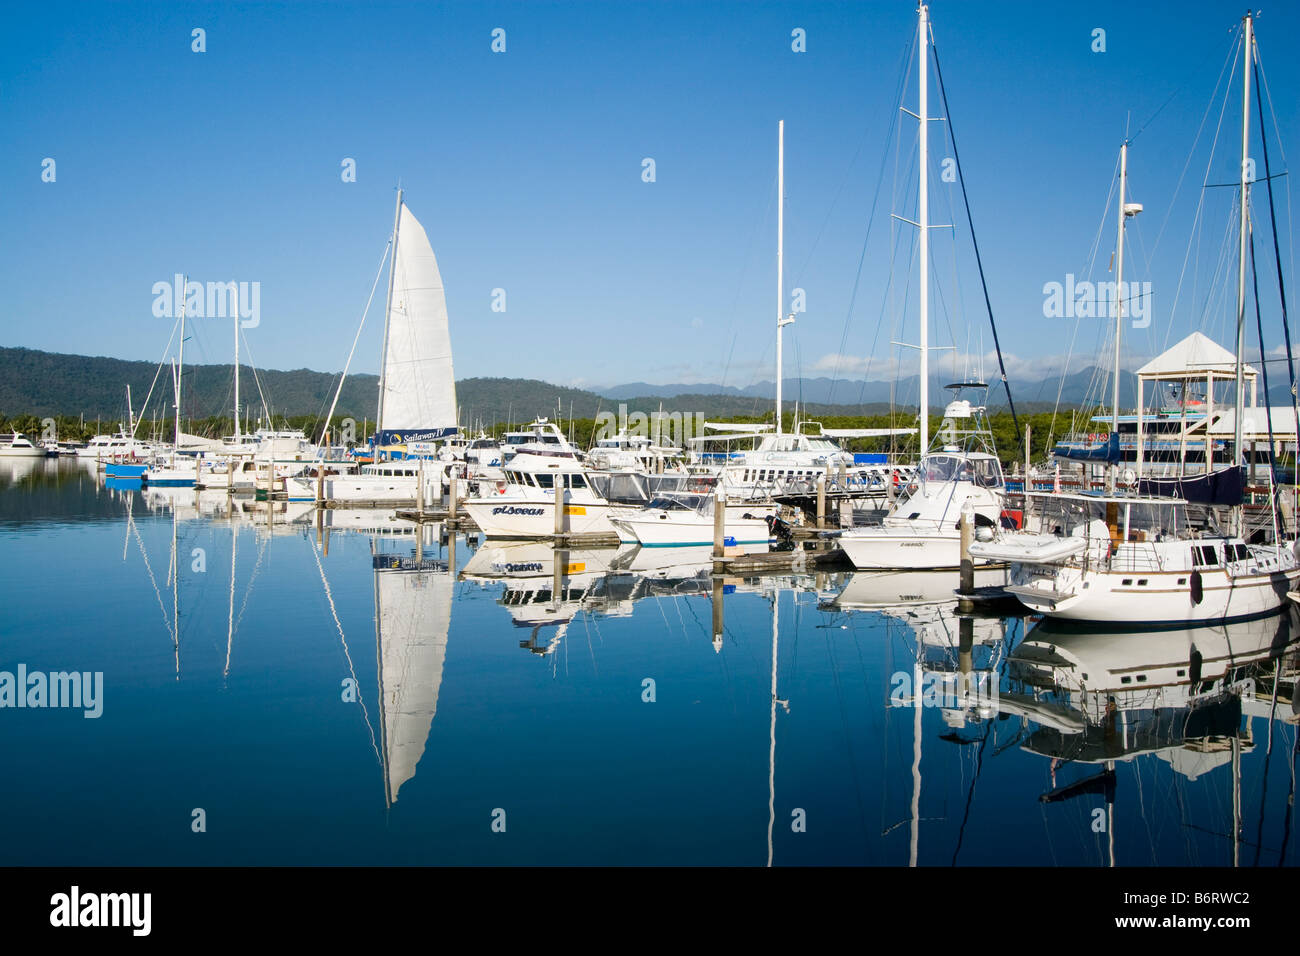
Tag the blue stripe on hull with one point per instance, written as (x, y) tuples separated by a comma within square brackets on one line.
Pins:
[(698, 544)]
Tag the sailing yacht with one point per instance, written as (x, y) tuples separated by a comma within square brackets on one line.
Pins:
[(417, 387), (922, 529), (1126, 559)]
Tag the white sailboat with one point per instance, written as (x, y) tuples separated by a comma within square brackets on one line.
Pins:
[(922, 528), (417, 386), (1131, 559)]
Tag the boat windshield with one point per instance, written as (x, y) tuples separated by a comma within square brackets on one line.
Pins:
[(982, 471), (683, 501)]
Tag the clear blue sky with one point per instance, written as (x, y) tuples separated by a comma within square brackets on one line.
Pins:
[(525, 169)]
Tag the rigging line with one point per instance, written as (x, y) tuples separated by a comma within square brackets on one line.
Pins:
[(343, 375), (1142, 812), (347, 654), (1200, 203), (1268, 408), (257, 569), (257, 380), (135, 425), (970, 794), (591, 652), (1074, 335), (979, 262), (1268, 759), (1281, 286), (1188, 162), (1237, 185), (895, 240), (871, 218), (880, 321), (152, 580)]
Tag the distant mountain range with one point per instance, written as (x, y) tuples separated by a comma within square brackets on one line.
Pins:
[(49, 383), (843, 392)]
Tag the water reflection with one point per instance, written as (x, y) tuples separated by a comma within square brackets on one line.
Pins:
[(1179, 696), (787, 719)]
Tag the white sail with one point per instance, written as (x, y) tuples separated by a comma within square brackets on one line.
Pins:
[(419, 388), (413, 615)]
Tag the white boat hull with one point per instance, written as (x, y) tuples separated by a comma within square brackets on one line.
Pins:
[(885, 549), (1142, 598), (654, 530), (372, 489), (510, 517)]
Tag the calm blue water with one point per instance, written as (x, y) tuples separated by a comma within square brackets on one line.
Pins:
[(482, 696)]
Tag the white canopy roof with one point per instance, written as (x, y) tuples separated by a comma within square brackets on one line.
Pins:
[(1193, 357), (1255, 421)]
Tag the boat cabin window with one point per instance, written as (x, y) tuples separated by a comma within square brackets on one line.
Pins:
[(1235, 552)]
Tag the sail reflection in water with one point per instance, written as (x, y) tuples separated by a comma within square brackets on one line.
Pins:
[(412, 617)]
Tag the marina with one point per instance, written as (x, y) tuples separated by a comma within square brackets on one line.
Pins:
[(537, 534)]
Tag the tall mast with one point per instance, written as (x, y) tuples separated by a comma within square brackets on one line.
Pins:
[(1248, 46), (780, 259), (236, 373), (388, 306), (1119, 303), (923, 217), (1119, 284), (180, 365)]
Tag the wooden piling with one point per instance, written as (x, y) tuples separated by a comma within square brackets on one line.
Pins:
[(719, 524), (559, 505), (967, 585), (821, 501), (1028, 457), (717, 614)]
